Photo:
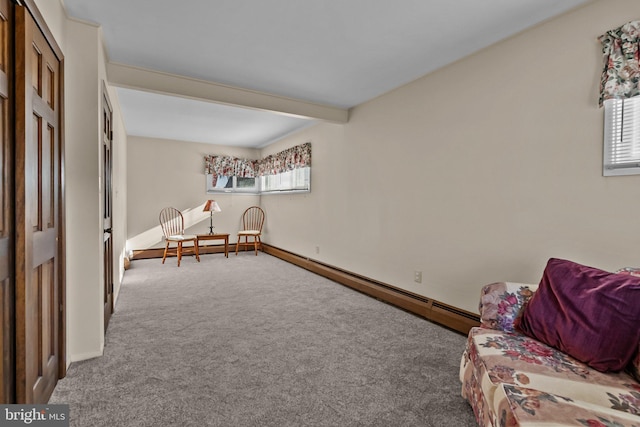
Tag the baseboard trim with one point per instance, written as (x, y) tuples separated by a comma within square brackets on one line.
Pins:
[(84, 356), (446, 315)]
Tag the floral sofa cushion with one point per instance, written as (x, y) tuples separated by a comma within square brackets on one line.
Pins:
[(501, 302), (521, 406), (511, 379)]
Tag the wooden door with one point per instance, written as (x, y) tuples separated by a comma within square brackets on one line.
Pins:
[(107, 135), (7, 318), (38, 186)]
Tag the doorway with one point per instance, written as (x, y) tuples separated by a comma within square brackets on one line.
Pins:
[(107, 138)]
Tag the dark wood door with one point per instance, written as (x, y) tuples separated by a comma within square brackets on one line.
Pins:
[(107, 136), (38, 162), (7, 318)]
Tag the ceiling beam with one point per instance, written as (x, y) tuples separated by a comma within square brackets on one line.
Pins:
[(170, 84)]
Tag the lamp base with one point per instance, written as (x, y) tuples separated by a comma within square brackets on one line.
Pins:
[(211, 224)]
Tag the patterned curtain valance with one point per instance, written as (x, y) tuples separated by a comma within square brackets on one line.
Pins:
[(230, 166), (621, 72), (292, 158)]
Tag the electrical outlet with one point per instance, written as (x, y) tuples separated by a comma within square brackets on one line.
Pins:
[(417, 276), (317, 249)]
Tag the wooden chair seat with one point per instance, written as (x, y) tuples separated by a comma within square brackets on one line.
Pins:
[(179, 238)]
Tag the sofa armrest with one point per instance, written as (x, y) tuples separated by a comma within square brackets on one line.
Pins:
[(501, 302)]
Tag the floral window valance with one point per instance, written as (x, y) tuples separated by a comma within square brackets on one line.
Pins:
[(621, 72), (292, 158), (230, 166)]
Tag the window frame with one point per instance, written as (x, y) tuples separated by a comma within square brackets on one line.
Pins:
[(621, 135)]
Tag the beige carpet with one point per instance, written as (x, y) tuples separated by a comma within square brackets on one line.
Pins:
[(255, 341)]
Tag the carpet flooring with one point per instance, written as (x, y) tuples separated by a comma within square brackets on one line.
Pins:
[(256, 341)]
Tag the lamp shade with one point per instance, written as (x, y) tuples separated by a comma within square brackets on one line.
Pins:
[(211, 206)]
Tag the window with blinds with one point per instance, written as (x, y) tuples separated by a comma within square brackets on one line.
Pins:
[(231, 184), (297, 180), (621, 137)]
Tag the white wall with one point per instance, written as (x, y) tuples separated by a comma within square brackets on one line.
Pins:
[(300, 222), (82, 47), (476, 173), (165, 173), (82, 109)]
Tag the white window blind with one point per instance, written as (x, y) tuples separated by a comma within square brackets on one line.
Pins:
[(295, 180), (621, 137)]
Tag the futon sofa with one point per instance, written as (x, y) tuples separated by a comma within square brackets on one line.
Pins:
[(565, 352)]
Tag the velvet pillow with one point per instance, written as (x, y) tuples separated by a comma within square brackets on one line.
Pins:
[(634, 366), (587, 313)]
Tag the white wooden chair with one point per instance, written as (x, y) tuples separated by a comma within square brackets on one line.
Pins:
[(172, 223), (252, 222)]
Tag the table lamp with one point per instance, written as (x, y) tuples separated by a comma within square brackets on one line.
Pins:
[(211, 206)]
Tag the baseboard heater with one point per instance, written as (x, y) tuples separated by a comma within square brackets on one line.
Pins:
[(446, 315), (451, 317)]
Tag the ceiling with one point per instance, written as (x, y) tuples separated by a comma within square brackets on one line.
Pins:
[(328, 52)]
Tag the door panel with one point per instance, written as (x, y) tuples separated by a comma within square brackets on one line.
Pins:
[(37, 213), (107, 135), (7, 316)]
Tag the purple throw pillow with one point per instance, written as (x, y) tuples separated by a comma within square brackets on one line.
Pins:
[(634, 366), (586, 313)]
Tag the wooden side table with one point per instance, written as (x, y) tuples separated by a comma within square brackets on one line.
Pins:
[(222, 236)]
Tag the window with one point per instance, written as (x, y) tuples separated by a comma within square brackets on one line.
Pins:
[(286, 171), (294, 180), (297, 180), (231, 184), (621, 137), (245, 184)]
